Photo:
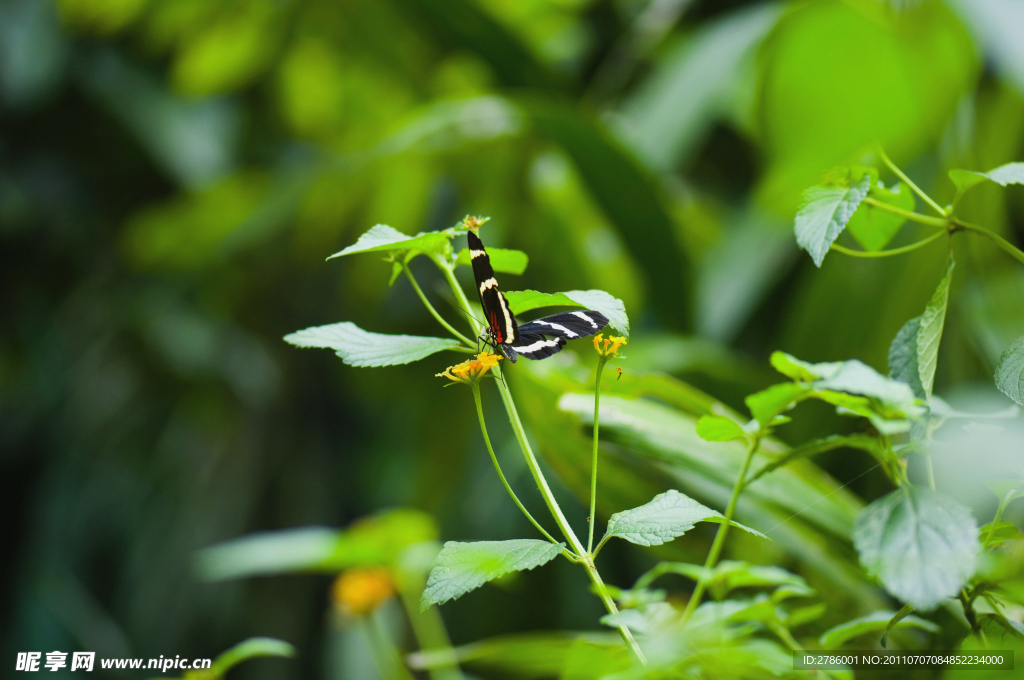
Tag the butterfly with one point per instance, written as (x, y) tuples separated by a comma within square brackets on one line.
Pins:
[(537, 339)]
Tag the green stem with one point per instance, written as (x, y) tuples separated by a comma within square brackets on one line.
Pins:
[(887, 253), (430, 307), (429, 630), (563, 523), (917, 190), (1014, 252), (906, 214), (538, 475), (723, 529), (593, 460), (388, 659), (497, 466), (931, 473), (460, 296)]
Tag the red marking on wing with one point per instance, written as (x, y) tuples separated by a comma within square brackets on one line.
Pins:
[(495, 328)]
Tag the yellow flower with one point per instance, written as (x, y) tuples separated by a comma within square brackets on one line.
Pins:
[(608, 347), (471, 222), (360, 591), (473, 370)]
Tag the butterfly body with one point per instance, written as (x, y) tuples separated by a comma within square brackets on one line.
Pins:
[(536, 339)]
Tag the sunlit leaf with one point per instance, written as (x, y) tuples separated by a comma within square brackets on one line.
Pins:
[(667, 516), (597, 300), (250, 649), (1004, 175), (719, 429), (462, 567), (920, 544), (875, 622), (503, 260), (824, 211), (1010, 371), (357, 347), (372, 541), (873, 227), (995, 534), (382, 238), (772, 401), (930, 333)]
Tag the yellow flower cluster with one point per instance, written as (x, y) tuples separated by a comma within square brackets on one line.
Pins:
[(608, 347), (360, 591), (473, 370)]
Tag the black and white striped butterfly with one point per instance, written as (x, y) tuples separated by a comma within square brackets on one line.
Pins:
[(536, 339)]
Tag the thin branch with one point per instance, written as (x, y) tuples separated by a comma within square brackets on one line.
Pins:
[(917, 190), (887, 253)]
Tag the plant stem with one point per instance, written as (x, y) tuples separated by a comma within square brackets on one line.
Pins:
[(593, 460), (887, 253), (538, 475), (996, 238), (497, 466), (917, 190), (430, 307), (906, 214), (563, 523), (723, 529), (428, 629), (388, 659)]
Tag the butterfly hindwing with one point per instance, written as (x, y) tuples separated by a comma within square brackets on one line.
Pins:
[(536, 346), (535, 343), (568, 325)]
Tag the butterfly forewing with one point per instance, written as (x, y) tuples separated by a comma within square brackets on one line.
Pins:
[(499, 317)]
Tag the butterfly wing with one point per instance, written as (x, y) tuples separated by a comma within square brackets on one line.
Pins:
[(541, 338), (497, 313)]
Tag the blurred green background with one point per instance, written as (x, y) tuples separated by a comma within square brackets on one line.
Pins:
[(174, 172)]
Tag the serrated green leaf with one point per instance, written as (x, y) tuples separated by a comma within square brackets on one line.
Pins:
[(525, 300), (719, 429), (382, 238), (772, 401), (667, 516), (729, 575), (921, 545), (1010, 371), (1004, 175), (357, 347), (872, 227), (462, 567), (903, 357), (250, 649), (875, 622), (824, 213), (930, 333)]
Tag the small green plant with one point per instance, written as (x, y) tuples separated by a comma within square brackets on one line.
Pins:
[(924, 547)]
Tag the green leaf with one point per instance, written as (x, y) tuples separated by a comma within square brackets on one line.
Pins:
[(503, 260), (903, 357), (920, 544), (667, 516), (719, 429), (728, 575), (930, 333), (1004, 175), (462, 567), (372, 541), (357, 347), (875, 622), (823, 214), (597, 300), (382, 238), (874, 228), (1010, 371), (995, 534), (791, 367), (816, 446), (770, 402), (250, 649)]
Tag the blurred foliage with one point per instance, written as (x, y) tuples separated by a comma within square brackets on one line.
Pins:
[(173, 172)]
